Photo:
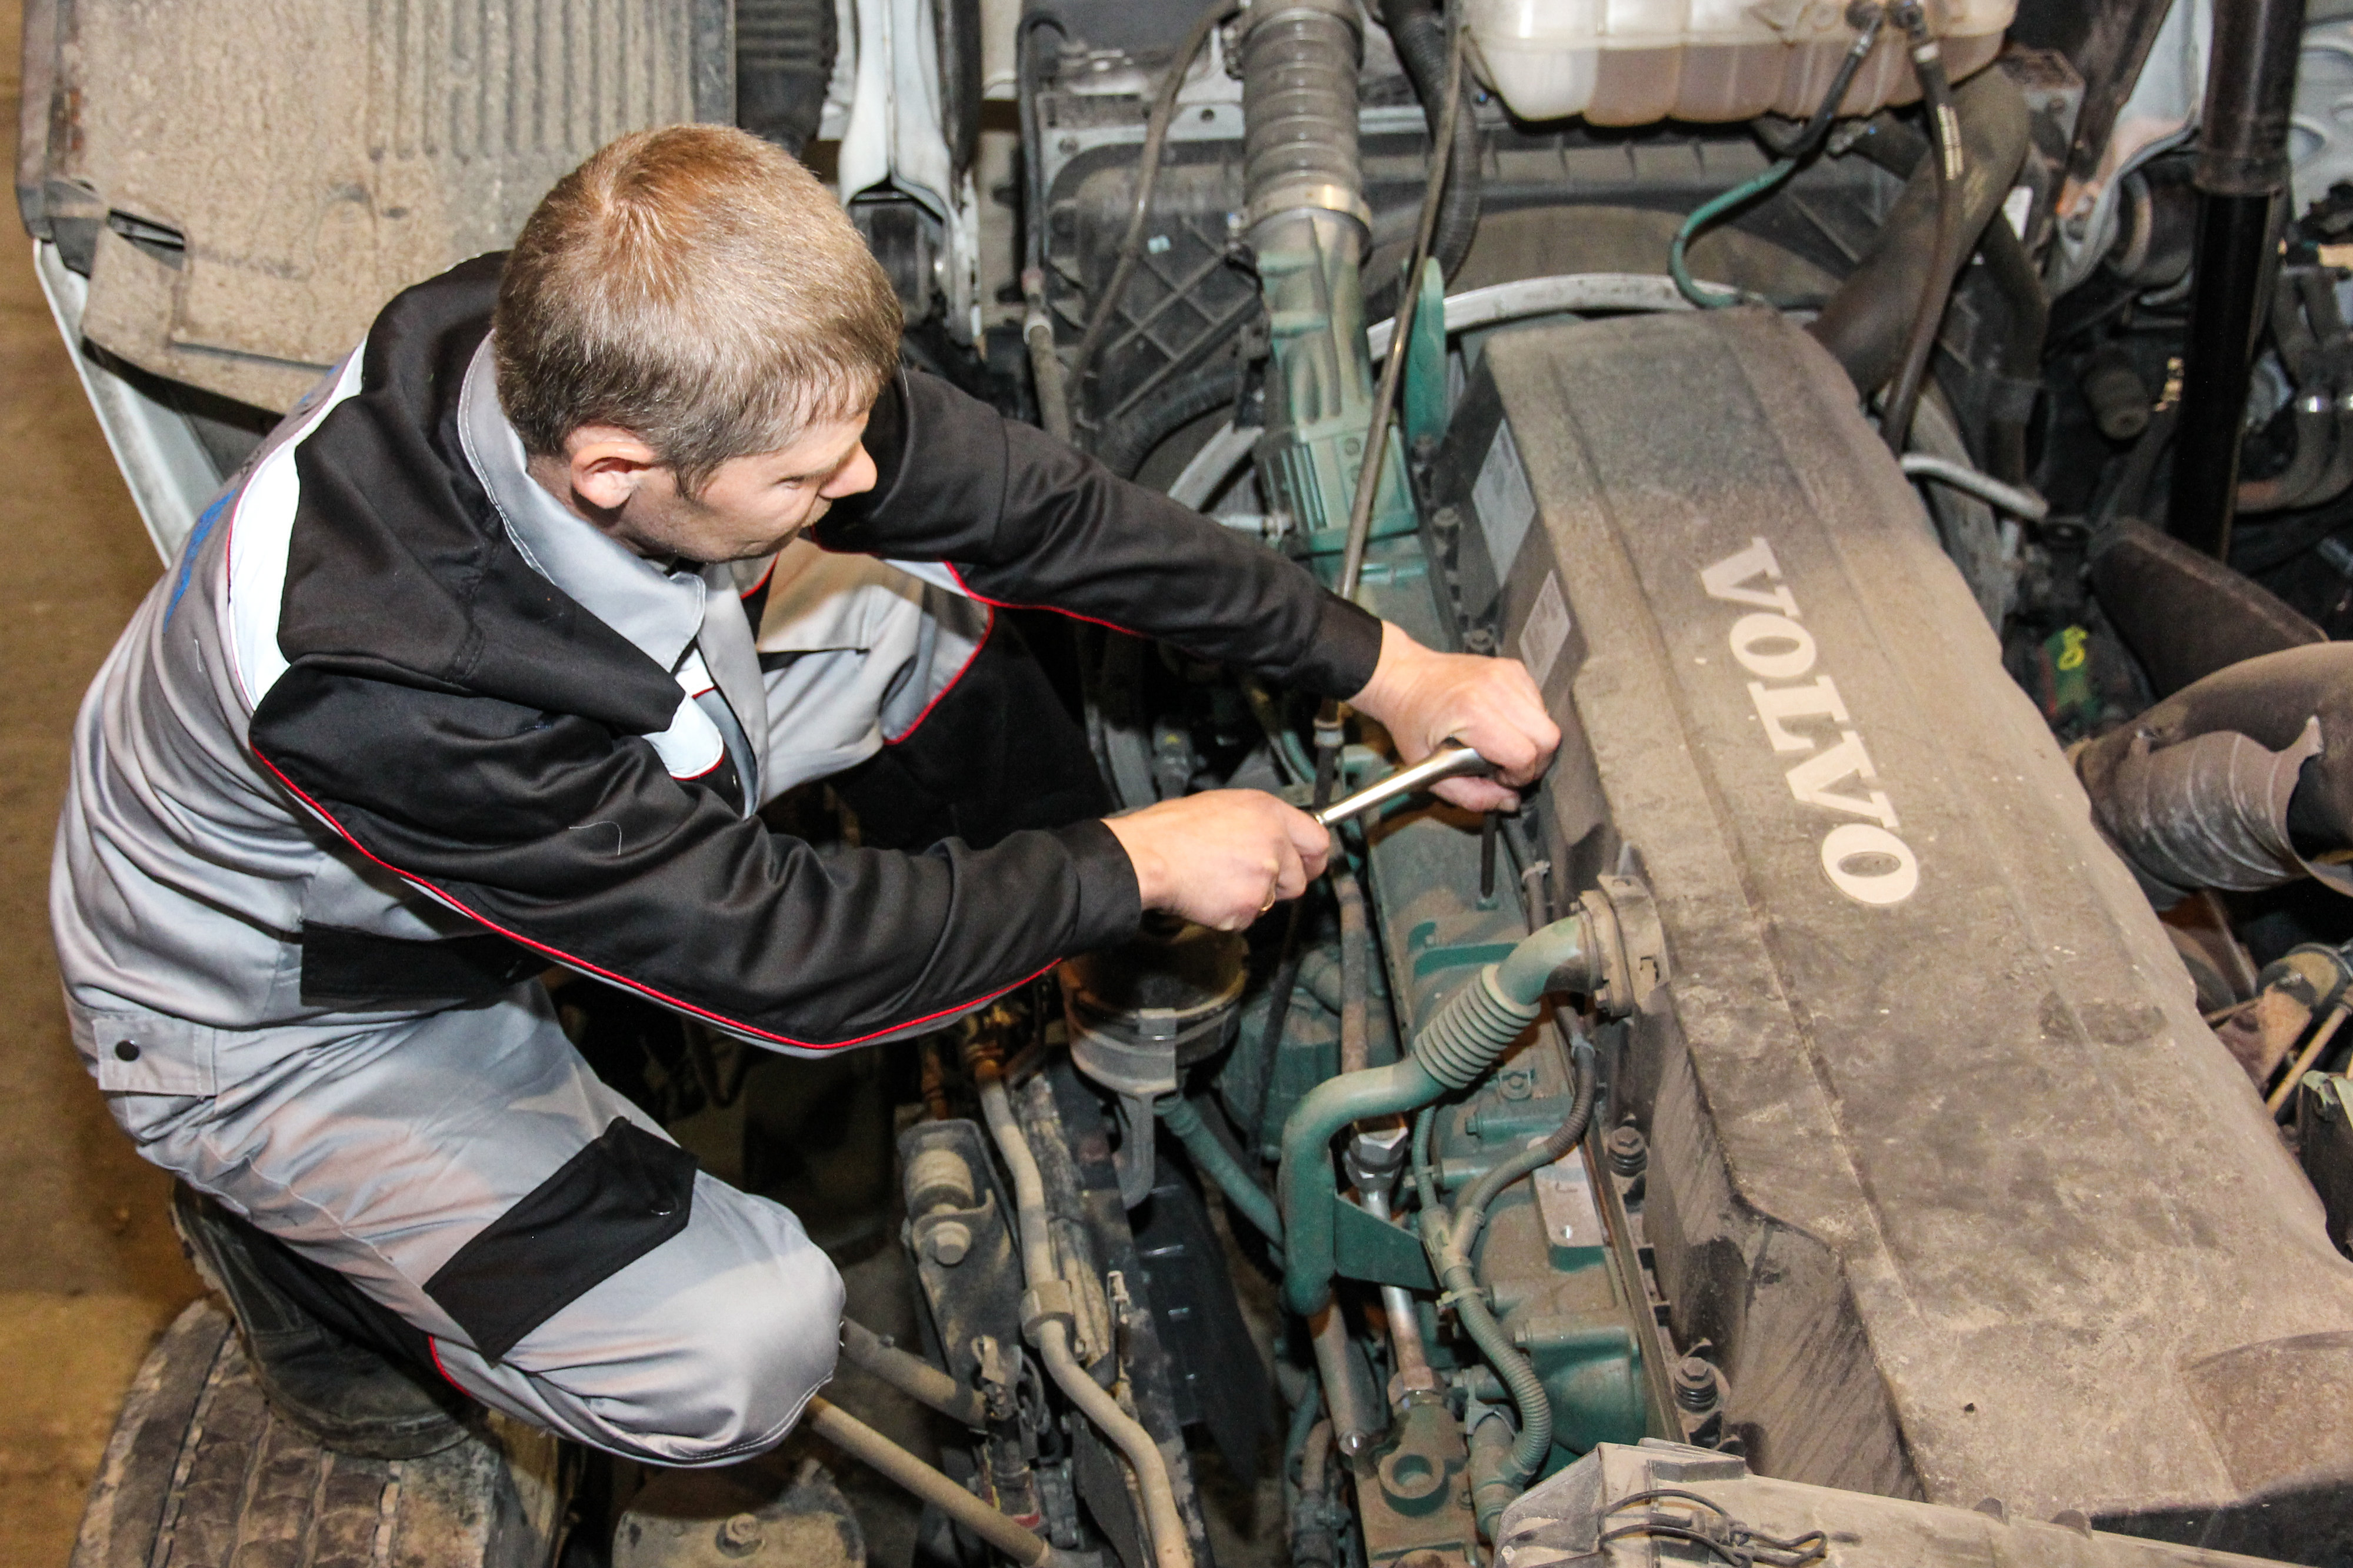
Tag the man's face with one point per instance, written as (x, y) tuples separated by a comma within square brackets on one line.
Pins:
[(749, 508)]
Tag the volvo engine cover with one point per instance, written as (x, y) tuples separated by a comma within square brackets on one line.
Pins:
[(1944, 1161)]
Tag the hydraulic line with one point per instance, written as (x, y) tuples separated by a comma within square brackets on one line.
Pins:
[(1411, 1361), (1944, 152), (1866, 19), (917, 1379), (1171, 1545), (861, 1442)]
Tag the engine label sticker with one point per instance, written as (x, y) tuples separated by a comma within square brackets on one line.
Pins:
[(1503, 500), (1545, 631), (1864, 859)]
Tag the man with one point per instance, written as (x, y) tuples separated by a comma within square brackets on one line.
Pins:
[(485, 662)]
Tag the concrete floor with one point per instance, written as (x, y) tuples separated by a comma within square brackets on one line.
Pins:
[(89, 1271)]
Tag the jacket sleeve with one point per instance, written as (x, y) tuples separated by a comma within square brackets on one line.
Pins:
[(558, 833), (1025, 520)]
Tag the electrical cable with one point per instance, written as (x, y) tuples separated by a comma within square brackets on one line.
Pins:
[(1866, 19), (1945, 146), (1156, 141)]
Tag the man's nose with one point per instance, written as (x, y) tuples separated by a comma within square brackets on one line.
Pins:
[(853, 478)]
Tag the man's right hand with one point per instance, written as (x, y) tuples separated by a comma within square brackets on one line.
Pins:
[(1221, 858)]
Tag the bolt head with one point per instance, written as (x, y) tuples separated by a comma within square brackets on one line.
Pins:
[(741, 1534), (948, 1242)]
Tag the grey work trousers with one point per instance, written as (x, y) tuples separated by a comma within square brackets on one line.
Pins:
[(378, 1146)]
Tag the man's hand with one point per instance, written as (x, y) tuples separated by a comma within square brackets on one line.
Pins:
[(1223, 858), (1424, 699)]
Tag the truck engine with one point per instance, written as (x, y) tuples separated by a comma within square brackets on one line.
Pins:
[(1881, 1094)]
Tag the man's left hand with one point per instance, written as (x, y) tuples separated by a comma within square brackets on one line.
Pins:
[(1424, 699)]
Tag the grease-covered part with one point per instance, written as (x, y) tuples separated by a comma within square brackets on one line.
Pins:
[(740, 1517), (1942, 1159)]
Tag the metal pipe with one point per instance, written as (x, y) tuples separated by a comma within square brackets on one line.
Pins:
[(1358, 1421), (2242, 170), (861, 1442), (2276, 1101), (1985, 486), (918, 1379), (1406, 1349), (1164, 1523)]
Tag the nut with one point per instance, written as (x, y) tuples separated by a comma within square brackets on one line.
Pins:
[(948, 1242)]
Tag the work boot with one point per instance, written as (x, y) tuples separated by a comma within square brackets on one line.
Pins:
[(336, 1391)]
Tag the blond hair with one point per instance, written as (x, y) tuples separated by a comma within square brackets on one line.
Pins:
[(696, 287)]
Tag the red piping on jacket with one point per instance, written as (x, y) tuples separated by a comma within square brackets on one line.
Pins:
[(986, 632), (972, 593), (433, 1349), (623, 980)]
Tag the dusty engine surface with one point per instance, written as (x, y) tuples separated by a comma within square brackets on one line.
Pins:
[(1943, 1159), (1807, 1099)]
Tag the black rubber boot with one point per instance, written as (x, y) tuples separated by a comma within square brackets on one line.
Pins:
[(335, 1365)]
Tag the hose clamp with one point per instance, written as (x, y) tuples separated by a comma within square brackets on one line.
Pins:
[(1629, 944), (1048, 1301), (1313, 196)]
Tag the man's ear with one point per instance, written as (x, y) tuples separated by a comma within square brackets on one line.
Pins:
[(605, 464)]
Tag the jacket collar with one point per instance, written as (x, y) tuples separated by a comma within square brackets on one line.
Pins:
[(659, 612)]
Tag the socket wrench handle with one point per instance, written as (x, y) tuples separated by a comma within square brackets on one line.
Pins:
[(1446, 763)]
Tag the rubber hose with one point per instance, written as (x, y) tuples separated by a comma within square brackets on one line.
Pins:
[(1125, 444), (1419, 37), (1898, 149), (1864, 323), (1953, 243), (2315, 409), (1216, 1161), (1533, 1444), (2319, 291)]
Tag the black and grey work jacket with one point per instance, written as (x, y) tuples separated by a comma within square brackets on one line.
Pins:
[(359, 753)]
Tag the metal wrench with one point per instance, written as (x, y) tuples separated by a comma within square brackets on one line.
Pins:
[(1446, 763)]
